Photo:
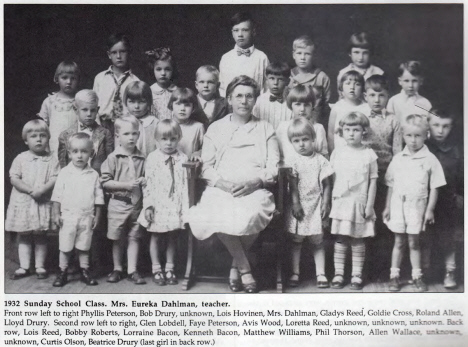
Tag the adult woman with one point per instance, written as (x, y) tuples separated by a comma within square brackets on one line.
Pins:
[(240, 157)]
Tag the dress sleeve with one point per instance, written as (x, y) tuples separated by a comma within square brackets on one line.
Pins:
[(322, 144), (44, 113), (373, 169), (326, 170), (15, 169), (209, 160), (270, 172), (437, 178), (58, 188)]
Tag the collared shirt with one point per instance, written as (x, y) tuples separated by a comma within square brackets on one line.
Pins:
[(273, 112), (105, 88), (366, 73), (78, 190), (412, 175), (233, 65), (207, 106), (161, 98), (402, 105), (85, 129), (316, 78)]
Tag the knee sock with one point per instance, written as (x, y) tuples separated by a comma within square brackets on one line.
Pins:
[(340, 257), (358, 255), (24, 251), (83, 257), (416, 273), (394, 272), (64, 260)]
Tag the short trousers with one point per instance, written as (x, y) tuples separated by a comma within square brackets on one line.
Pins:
[(312, 239), (407, 214), (76, 231), (122, 220)]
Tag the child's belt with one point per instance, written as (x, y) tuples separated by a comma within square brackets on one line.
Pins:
[(122, 198)]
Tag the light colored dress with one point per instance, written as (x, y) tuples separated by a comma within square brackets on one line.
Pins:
[(342, 108), (25, 214), (354, 168), (311, 171), (236, 153), (161, 98), (192, 137), (60, 114), (170, 205), (147, 141)]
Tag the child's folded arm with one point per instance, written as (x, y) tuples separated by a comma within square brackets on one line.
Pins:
[(20, 185)]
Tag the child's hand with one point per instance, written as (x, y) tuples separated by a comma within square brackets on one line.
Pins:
[(57, 222), (325, 210), (36, 193), (95, 222), (428, 219), (142, 181), (369, 212), (195, 157), (149, 214), (297, 211), (386, 214)]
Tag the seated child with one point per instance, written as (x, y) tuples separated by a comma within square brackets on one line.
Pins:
[(32, 174), (271, 105), (310, 199), (77, 207), (245, 58), (86, 102), (165, 199), (210, 106), (122, 176), (413, 178), (408, 101)]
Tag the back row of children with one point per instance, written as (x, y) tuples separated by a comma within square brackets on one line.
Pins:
[(363, 136)]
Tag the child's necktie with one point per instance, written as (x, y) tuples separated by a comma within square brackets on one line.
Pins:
[(245, 52), (170, 162), (117, 106)]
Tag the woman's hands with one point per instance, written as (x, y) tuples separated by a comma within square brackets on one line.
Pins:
[(239, 189)]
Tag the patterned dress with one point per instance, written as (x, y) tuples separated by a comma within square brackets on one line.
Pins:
[(161, 100)]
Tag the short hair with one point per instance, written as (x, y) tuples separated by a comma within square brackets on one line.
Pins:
[(354, 75), (300, 127), (300, 93), (278, 69), (241, 17), (87, 95), (360, 40), (182, 95), (35, 125), (119, 37), (303, 42), (416, 120), (377, 83), (414, 67), (242, 80), (80, 136), (138, 90), (208, 68), (126, 119), (67, 67), (163, 54), (444, 112), (351, 119), (168, 127)]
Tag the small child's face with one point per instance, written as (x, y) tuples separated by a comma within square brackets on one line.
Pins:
[(440, 128), (163, 72), (37, 141), (303, 144), (353, 134), (87, 112), (80, 151), (302, 109), (352, 89), (414, 137), (276, 84), (243, 33), (128, 135), (360, 57), (182, 110), (376, 100), (138, 107), (207, 84), (167, 143), (303, 57), (67, 83), (410, 83), (119, 55)]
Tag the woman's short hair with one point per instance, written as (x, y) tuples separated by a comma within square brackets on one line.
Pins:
[(300, 93), (138, 90), (416, 120), (360, 40), (126, 119), (208, 68), (182, 95), (35, 125), (351, 119), (87, 95), (168, 127), (412, 66), (303, 42), (242, 80), (119, 37), (163, 54), (67, 67), (300, 127), (352, 75)]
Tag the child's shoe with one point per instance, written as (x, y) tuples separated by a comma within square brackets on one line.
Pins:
[(395, 284), (293, 281), (159, 279), (61, 279), (115, 276), (419, 284), (338, 282), (136, 278), (322, 281), (41, 273), (449, 280), (20, 273), (85, 277), (356, 283), (171, 278)]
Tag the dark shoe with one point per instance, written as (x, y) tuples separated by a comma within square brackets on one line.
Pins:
[(449, 280), (293, 282), (171, 278), (419, 284), (159, 279), (115, 276), (394, 285), (20, 274), (61, 279), (356, 283), (322, 282), (85, 277), (338, 282), (136, 278), (235, 284), (41, 273), (249, 288)]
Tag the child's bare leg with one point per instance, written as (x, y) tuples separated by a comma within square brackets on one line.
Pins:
[(132, 253), (171, 250), (24, 253), (319, 258), (397, 254), (296, 249), (154, 253), (117, 254), (415, 255), (40, 252)]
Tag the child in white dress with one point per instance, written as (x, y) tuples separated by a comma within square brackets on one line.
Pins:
[(32, 174), (310, 199), (352, 213), (165, 198)]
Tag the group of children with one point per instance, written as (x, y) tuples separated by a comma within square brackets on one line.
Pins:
[(118, 150)]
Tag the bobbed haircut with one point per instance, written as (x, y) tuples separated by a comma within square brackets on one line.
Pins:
[(182, 95), (163, 54), (241, 17), (352, 119), (416, 120), (126, 119), (80, 136), (33, 126), (67, 66), (138, 90), (168, 128), (87, 95), (360, 40), (209, 69), (119, 37), (278, 69), (414, 67), (300, 127), (300, 93), (377, 83), (350, 75), (242, 80), (303, 42)]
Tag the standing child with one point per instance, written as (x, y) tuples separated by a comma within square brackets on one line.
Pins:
[(165, 198), (271, 105), (32, 175), (413, 177), (122, 176), (210, 106), (164, 68), (138, 99), (58, 109), (408, 101), (77, 208), (244, 58), (310, 199), (354, 191), (110, 84)]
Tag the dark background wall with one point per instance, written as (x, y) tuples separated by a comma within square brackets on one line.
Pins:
[(38, 37)]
